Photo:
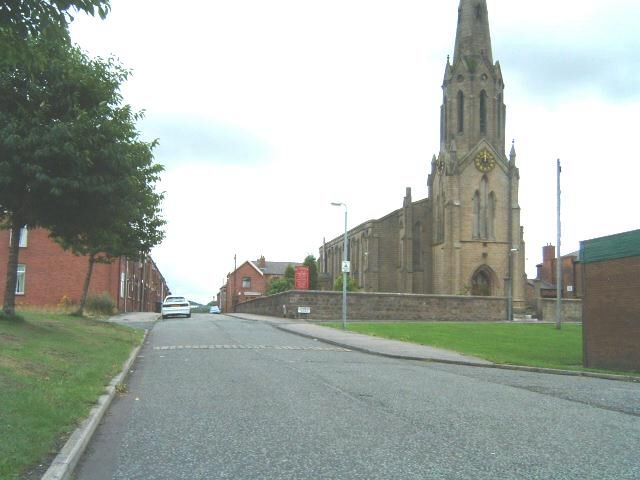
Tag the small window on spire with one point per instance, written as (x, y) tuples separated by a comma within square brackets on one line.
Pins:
[(483, 112), (478, 11)]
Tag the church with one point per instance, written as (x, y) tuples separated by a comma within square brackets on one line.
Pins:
[(465, 238)]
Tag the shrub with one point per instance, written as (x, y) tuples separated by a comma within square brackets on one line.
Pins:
[(66, 302), (352, 286), (101, 304), (279, 285)]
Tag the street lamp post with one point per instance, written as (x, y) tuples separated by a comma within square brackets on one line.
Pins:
[(345, 265), (510, 297)]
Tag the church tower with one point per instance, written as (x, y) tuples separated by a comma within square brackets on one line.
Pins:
[(477, 240)]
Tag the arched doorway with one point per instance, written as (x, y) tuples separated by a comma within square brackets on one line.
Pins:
[(481, 282)]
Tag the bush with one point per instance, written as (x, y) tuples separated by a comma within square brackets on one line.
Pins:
[(66, 302), (101, 304), (352, 286), (279, 285)]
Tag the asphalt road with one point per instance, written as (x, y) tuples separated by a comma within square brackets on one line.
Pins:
[(220, 398)]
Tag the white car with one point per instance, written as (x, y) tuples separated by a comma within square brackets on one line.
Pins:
[(174, 305)]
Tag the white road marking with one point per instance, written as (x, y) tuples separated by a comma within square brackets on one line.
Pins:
[(251, 347)]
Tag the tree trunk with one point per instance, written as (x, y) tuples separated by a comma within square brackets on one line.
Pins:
[(9, 304), (87, 281)]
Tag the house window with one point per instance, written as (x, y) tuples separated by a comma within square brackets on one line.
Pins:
[(21, 278), (246, 282), (121, 284), (24, 233)]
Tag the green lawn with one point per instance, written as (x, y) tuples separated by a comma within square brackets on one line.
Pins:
[(53, 367), (538, 345)]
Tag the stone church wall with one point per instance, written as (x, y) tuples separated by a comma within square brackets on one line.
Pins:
[(379, 306)]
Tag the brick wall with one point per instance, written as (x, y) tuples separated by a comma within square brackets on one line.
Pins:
[(380, 306), (611, 313), (51, 274)]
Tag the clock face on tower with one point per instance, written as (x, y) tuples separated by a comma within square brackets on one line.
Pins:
[(485, 161)]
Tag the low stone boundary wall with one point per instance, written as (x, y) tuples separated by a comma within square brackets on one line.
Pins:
[(571, 309), (325, 305)]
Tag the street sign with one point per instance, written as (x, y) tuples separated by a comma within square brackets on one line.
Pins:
[(346, 266)]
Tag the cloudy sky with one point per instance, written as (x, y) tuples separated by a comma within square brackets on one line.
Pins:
[(267, 111)]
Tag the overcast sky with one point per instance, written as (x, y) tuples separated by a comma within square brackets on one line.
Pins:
[(267, 111)]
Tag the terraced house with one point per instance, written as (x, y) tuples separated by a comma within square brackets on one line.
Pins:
[(48, 276)]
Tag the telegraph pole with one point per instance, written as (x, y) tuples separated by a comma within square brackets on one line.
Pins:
[(559, 260)]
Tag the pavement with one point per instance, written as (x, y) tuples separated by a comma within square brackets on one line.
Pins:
[(405, 350), (367, 343)]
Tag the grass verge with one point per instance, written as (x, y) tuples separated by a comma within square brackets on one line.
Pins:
[(536, 345), (53, 367)]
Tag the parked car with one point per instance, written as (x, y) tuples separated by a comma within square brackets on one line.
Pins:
[(214, 309), (175, 306)]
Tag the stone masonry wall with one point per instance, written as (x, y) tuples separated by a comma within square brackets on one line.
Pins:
[(379, 306), (571, 310)]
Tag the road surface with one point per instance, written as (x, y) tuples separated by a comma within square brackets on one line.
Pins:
[(214, 397)]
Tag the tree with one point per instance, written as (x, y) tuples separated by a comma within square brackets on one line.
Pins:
[(311, 262), (290, 274), (131, 228), (23, 20), (68, 149)]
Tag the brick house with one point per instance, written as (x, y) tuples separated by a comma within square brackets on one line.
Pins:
[(250, 280), (611, 304), (49, 276), (544, 285)]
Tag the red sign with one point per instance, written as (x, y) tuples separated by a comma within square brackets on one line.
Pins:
[(302, 278)]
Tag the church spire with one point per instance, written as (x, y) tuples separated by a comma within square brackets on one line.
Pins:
[(473, 38)]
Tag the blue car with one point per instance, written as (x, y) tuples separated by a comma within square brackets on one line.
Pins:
[(214, 309)]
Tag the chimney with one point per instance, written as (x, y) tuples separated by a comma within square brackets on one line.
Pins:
[(548, 252), (262, 263)]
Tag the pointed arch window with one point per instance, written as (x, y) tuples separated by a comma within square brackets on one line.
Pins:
[(483, 112), (438, 214), (484, 212), (417, 247), (460, 112), (491, 216)]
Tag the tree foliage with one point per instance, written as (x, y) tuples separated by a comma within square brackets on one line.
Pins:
[(311, 262), (23, 20), (352, 286), (290, 274), (70, 157), (279, 285)]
